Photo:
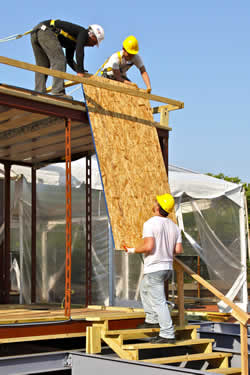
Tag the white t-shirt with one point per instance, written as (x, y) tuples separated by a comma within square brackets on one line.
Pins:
[(166, 235), (123, 65)]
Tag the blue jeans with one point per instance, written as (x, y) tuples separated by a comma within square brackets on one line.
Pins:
[(154, 301)]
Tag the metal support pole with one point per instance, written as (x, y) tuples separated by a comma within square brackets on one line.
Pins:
[(1, 243), (6, 258), (21, 233), (88, 232), (33, 236), (67, 309)]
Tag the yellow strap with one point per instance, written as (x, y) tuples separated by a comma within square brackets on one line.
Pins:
[(119, 56), (105, 62), (63, 33)]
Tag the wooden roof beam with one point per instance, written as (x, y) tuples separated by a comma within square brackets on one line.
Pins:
[(90, 80)]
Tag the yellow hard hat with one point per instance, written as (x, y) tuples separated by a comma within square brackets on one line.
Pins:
[(166, 201), (130, 44)]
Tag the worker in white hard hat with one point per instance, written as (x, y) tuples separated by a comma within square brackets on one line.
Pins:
[(120, 62), (48, 40), (161, 241)]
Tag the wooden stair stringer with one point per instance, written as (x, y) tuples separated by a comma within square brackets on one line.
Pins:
[(114, 344), (189, 332), (188, 358), (191, 342)]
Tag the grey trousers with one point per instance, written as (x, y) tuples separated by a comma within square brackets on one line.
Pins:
[(49, 54)]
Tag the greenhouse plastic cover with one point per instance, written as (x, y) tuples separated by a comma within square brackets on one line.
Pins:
[(209, 212)]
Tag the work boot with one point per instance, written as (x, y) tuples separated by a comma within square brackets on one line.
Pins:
[(162, 340), (62, 95), (148, 325)]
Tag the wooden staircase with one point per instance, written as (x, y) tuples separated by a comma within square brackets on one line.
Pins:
[(189, 350)]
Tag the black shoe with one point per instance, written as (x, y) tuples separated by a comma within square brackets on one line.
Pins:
[(162, 340), (63, 96), (148, 325)]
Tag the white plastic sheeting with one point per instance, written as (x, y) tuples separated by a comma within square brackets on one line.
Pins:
[(209, 211)]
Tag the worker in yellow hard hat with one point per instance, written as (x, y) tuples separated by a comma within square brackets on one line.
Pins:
[(120, 62), (161, 241)]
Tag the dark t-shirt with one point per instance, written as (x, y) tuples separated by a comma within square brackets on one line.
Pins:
[(71, 46)]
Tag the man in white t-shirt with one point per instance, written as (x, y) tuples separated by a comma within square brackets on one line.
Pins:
[(161, 241), (120, 62)]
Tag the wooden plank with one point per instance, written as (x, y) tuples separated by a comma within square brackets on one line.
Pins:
[(237, 312), (115, 308), (45, 337), (168, 107), (136, 330), (35, 143), (41, 98), (130, 159), (232, 370), (180, 300), (244, 349), (124, 354), (120, 315), (41, 128), (7, 113), (58, 148), (93, 343), (188, 358), (88, 149), (90, 80), (134, 334), (19, 120), (45, 146), (178, 343)]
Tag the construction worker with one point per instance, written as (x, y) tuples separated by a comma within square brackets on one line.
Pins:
[(161, 241), (120, 62), (48, 40)]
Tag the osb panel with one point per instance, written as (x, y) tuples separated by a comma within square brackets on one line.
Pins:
[(130, 159)]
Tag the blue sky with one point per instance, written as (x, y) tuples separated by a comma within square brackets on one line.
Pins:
[(194, 51)]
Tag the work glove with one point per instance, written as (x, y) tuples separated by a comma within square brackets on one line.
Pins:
[(130, 250)]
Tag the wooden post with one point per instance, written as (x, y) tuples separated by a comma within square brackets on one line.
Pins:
[(198, 273), (180, 293), (244, 349)]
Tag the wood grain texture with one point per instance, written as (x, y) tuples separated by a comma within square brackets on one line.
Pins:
[(130, 159)]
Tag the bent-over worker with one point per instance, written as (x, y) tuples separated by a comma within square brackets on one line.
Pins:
[(161, 241), (48, 40), (120, 62)]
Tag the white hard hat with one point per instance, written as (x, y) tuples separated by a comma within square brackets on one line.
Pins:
[(98, 31)]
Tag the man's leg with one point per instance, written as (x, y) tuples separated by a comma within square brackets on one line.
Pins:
[(158, 301), (151, 315), (53, 50), (41, 60)]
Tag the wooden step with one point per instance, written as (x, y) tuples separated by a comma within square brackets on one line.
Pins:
[(232, 370), (188, 358), (178, 343), (139, 333)]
